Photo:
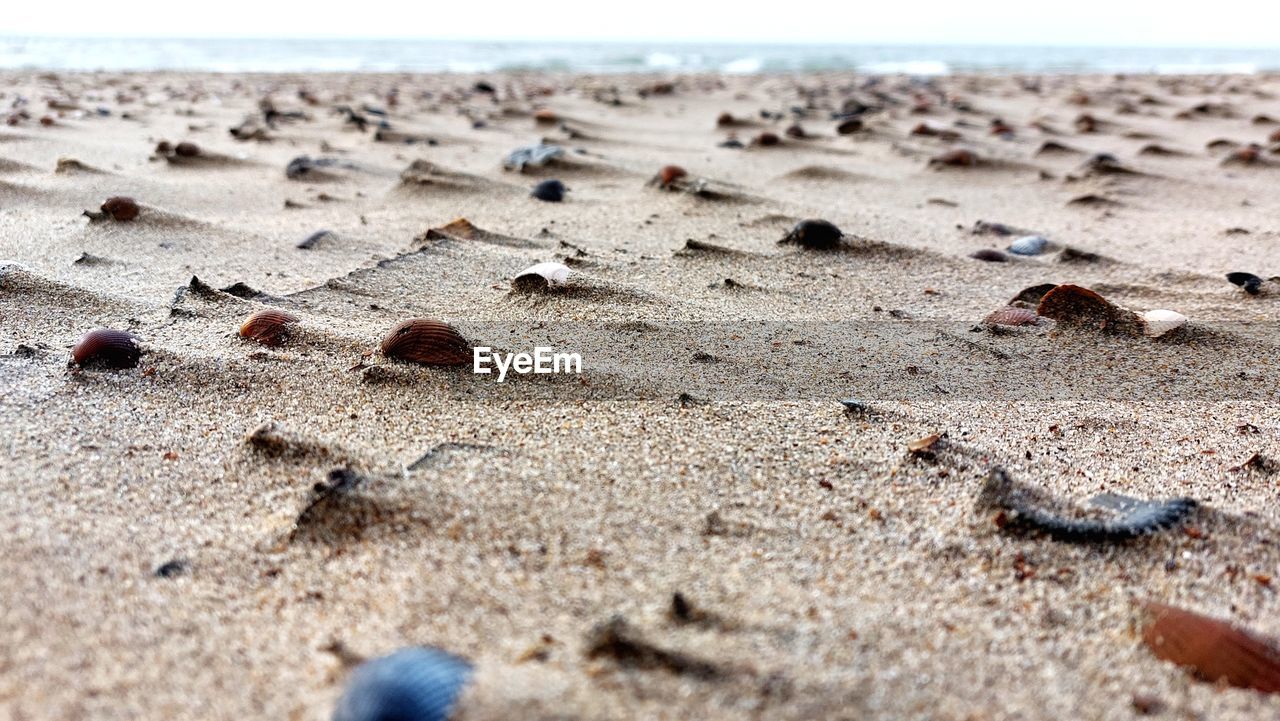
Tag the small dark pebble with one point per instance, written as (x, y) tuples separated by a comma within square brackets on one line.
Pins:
[(990, 255), (551, 191), (171, 569), (1251, 283), (814, 234), (483, 87)]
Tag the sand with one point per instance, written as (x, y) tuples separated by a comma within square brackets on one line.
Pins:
[(703, 450)]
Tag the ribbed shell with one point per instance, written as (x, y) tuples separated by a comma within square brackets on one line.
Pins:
[(1028, 245), (269, 327), (107, 348), (1012, 315), (1073, 305), (120, 208), (670, 174), (427, 341), (1215, 650), (412, 684)]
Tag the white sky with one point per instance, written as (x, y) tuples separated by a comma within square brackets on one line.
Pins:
[(1220, 23)]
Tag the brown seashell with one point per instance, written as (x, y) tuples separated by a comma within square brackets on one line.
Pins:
[(1248, 155), (850, 126), (107, 348), (1214, 650), (725, 120), (545, 116), (426, 341), (120, 208), (1012, 315), (186, 150), (1072, 305), (269, 327), (958, 158), (670, 174), (767, 140)]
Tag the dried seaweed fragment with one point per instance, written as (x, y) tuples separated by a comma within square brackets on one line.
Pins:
[(1027, 509)]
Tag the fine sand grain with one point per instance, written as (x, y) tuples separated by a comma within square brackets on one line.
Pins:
[(314, 501)]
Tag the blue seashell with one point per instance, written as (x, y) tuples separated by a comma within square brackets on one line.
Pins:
[(412, 684), (532, 155), (1028, 245)]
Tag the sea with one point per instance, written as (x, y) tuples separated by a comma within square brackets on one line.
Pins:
[(349, 55)]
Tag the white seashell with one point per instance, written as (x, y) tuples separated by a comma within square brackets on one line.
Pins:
[(541, 277), (1158, 322), (1028, 245)]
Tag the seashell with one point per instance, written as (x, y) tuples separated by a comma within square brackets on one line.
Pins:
[(303, 166), (1248, 155), (532, 155), (540, 278), (186, 149), (545, 116), (107, 348), (731, 142), (1012, 315), (1251, 283), (849, 127), (1212, 649), (725, 120), (1158, 322), (990, 255), (419, 683), (269, 327), (766, 140), (814, 234), (1072, 305), (120, 208), (426, 341), (1029, 245), (925, 444), (796, 131), (957, 158), (551, 191), (668, 175)]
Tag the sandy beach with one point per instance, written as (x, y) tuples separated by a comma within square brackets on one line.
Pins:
[(221, 531)]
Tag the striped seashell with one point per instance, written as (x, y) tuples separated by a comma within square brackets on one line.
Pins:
[(1029, 245), (1074, 306), (427, 341), (107, 348), (1214, 650), (540, 278), (420, 683), (1158, 322), (1012, 315), (269, 327)]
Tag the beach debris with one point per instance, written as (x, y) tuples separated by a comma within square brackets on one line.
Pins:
[(925, 130), (990, 255), (413, 684), (540, 278), (118, 208), (551, 191), (535, 156), (726, 120), (1160, 321), (171, 569), (1053, 147), (732, 142), (1023, 508), (311, 241), (956, 158), (814, 234), (1086, 123), (545, 116), (849, 126), (1029, 245), (797, 132), (1251, 283), (1074, 306), (269, 326), (854, 406), (617, 640), (107, 348), (668, 175), (1106, 164), (1012, 315), (1213, 650), (304, 167), (766, 139), (427, 341), (921, 446)]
